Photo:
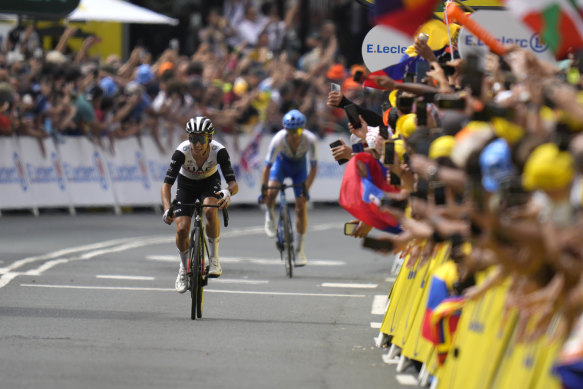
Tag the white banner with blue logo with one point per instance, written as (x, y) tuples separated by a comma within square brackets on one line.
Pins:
[(131, 181), (15, 191), (78, 173), (45, 172), (86, 172)]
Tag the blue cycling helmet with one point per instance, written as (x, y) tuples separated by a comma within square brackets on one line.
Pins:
[(293, 119)]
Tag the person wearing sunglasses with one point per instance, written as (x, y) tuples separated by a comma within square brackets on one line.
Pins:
[(195, 165), (289, 152)]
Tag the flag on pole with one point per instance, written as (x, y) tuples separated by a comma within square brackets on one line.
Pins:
[(250, 157), (403, 15), (558, 22)]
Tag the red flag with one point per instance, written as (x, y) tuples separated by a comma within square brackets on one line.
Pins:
[(403, 15), (352, 191)]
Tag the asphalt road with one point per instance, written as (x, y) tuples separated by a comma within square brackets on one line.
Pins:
[(88, 301)]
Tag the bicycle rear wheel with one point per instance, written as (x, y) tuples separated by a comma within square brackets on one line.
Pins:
[(288, 243)]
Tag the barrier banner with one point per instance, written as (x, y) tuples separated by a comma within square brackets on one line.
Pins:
[(129, 174), (525, 362), (15, 188), (77, 173), (47, 178), (417, 347), (480, 340), (412, 308), (398, 303), (86, 173)]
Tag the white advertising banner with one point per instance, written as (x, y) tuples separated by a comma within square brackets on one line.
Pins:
[(15, 190), (86, 172), (45, 172), (383, 46), (77, 173), (507, 29), (130, 178)]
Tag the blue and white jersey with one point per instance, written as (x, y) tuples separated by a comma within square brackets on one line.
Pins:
[(306, 148)]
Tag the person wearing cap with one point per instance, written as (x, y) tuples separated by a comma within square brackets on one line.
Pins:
[(290, 151)]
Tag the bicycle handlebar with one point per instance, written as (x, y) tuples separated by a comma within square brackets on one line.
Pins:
[(200, 205), (283, 187)]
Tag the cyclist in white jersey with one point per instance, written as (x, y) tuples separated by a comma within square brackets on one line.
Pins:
[(195, 164), (289, 152)]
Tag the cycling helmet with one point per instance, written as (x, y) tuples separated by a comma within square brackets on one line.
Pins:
[(293, 119), (200, 125)]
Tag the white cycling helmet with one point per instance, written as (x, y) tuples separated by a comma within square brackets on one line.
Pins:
[(200, 125)]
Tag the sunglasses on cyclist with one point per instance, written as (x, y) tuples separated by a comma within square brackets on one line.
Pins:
[(202, 139), (294, 131)]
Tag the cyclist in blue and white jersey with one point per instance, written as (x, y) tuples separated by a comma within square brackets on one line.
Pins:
[(195, 164), (290, 151)]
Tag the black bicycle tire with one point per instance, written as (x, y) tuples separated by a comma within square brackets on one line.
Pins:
[(194, 273), (200, 282), (288, 244)]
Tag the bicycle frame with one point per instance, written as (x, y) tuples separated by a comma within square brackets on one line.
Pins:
[(197, 269), (285, 234)]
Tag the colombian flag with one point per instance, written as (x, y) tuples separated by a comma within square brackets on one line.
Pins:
[(360, 196), (443, 309)]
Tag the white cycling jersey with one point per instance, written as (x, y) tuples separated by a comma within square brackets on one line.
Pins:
[(191, 170), (307, 146)]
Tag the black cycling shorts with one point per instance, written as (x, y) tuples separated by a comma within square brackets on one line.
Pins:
[(189, 190)]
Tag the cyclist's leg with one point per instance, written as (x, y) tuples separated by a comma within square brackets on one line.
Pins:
[(213, 227), (185, 194), (299, 176), (276, 176)]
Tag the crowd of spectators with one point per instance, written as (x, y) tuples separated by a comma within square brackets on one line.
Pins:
[(488, 157), (245, 74)]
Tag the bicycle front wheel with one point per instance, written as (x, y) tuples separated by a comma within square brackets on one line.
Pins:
[(201, 274), (288, 243), (195, 271)]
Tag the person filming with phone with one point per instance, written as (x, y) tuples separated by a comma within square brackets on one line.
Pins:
[(290, 151)]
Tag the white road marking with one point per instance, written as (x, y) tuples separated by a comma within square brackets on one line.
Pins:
[(379, 305), (255, 261), (354, 286), (390, 279), (239, 281), (407, 379), (136, 278), (206, 290), (375, 325), (7, 273)]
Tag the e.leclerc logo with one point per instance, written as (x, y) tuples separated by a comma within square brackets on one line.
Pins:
[(384, 49), (533, 43), (99, 166)]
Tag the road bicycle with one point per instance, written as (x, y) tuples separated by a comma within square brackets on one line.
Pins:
[(197, 268), (285, 232)]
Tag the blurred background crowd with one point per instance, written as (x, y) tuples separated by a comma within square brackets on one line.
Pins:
[(247, 64)]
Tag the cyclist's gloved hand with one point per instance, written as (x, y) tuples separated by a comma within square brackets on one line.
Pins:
[(225, 195), (166, 217)]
